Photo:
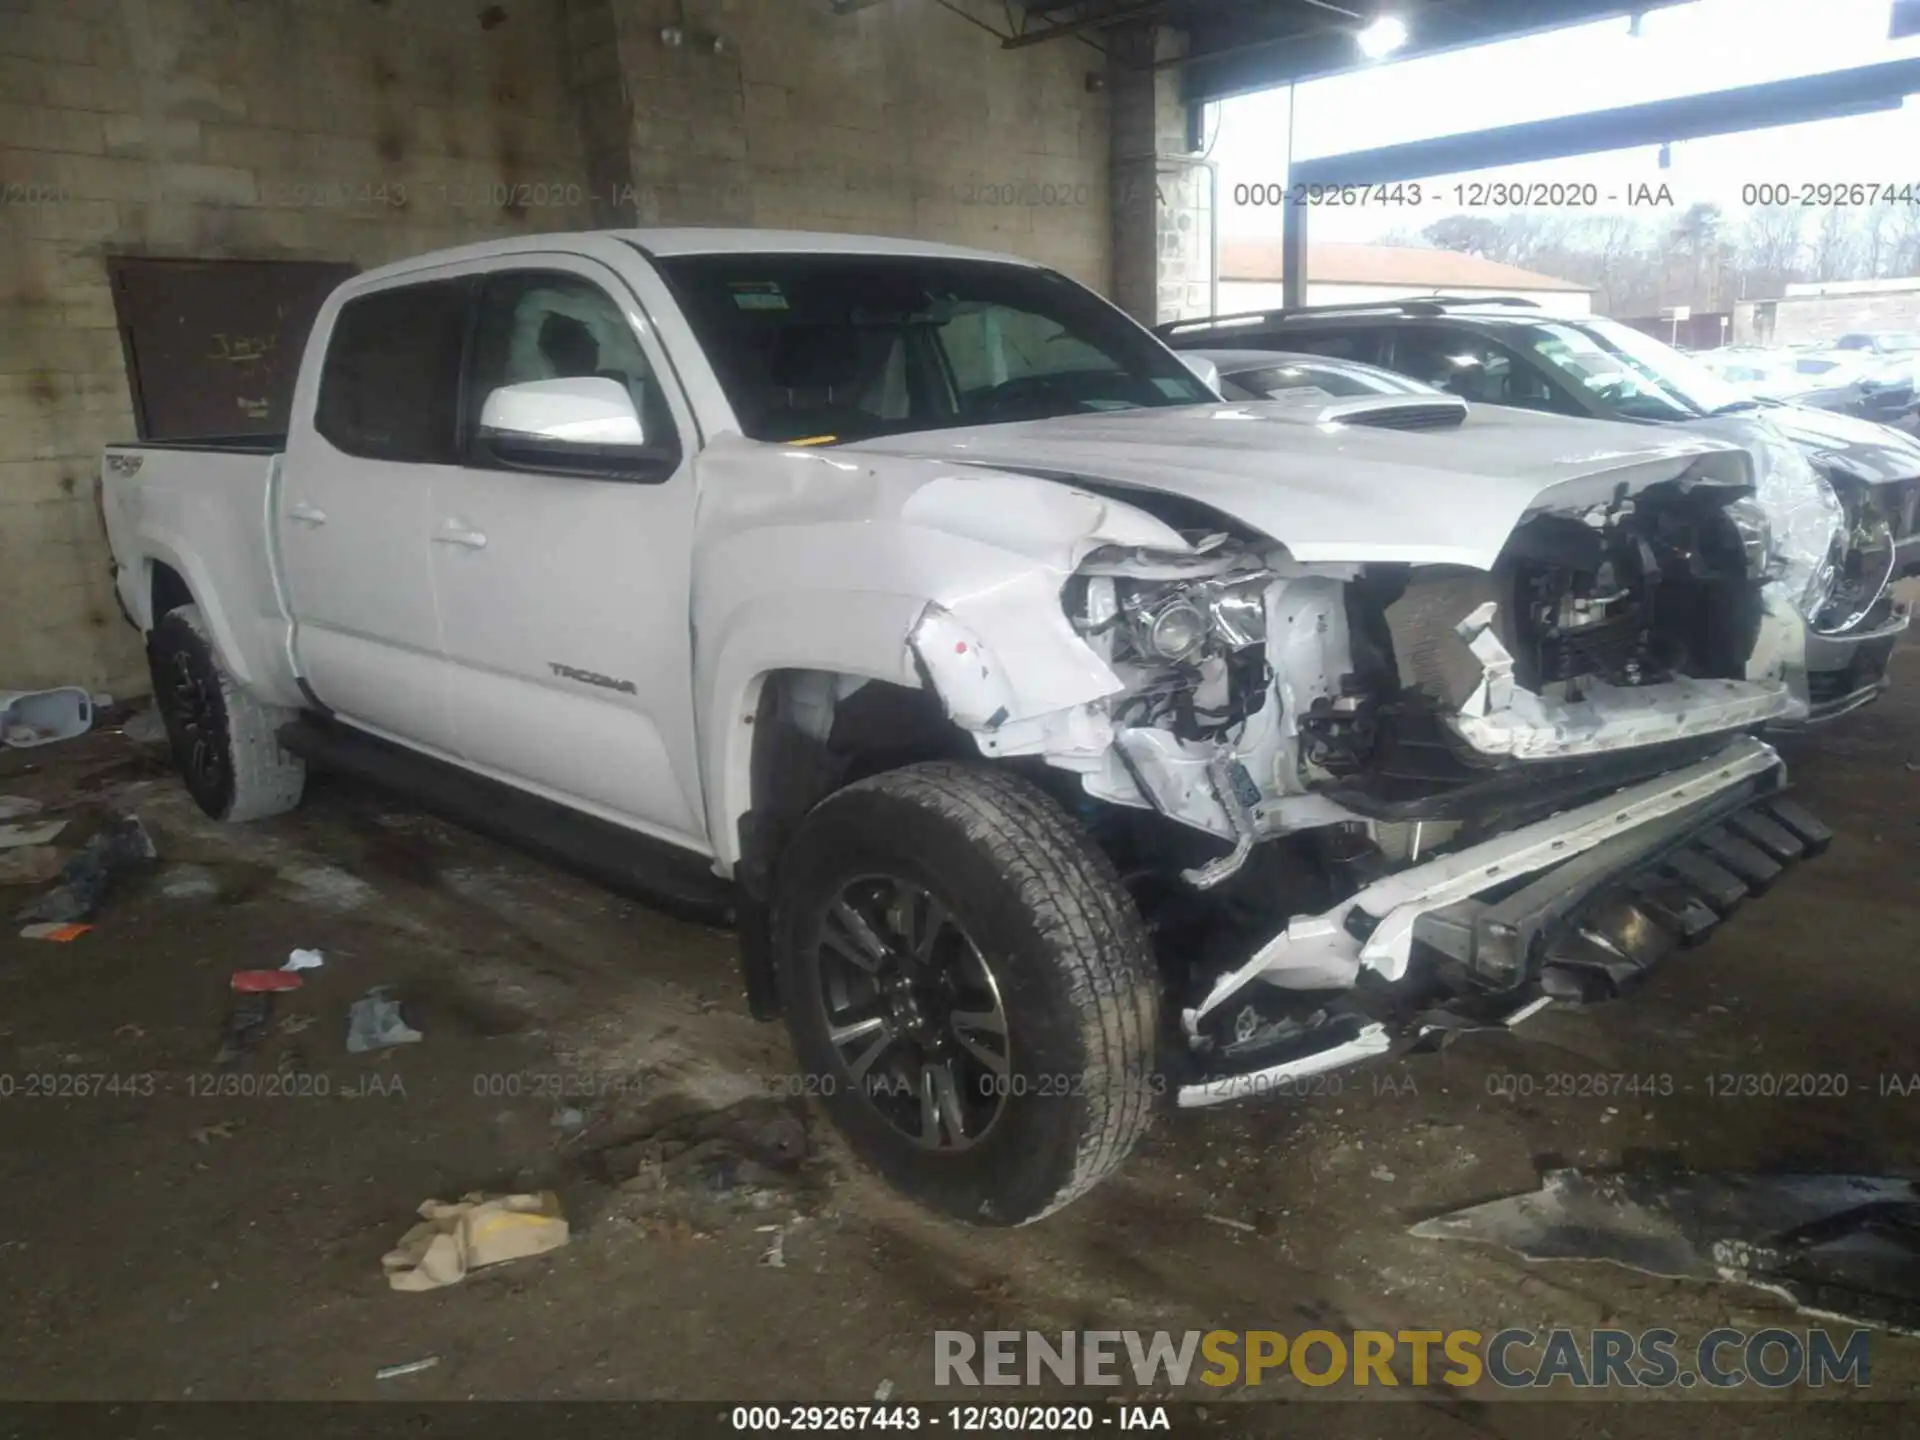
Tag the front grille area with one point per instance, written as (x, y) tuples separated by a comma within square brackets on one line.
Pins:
[(1605, 650)]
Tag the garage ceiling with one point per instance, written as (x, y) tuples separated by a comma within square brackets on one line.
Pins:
[(1243, 45)]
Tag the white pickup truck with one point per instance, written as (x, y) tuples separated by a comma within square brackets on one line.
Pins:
[(1059, 736)]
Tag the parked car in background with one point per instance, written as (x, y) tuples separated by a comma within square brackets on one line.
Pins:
[(1772, 375), (1266, 375), (1885, 386), (1060, 736), (1509, 352), (1885, 343)]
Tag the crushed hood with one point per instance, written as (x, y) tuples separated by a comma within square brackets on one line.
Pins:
[(1334, 492)]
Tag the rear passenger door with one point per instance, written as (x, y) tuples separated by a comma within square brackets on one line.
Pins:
[(562, 578), (353, 506)]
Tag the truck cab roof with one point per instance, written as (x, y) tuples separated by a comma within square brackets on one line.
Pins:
[(684, 240)]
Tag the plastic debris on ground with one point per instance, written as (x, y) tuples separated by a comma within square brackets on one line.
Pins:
[(374, 1022), (12, 807), (87, 879), (48, 930), (1835, 1245), (16, 835), (189, 882), (304, 960), (775, 1255), (410, 1367), (31, 865), (252, 1010), (40, 717), (472, 1232)]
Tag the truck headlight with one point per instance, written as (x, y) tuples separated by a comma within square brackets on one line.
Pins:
[(1864, 564), (1175, 630), (1806, 521)]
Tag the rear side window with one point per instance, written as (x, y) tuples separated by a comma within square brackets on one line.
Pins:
[(390, 385), (1344, 343)]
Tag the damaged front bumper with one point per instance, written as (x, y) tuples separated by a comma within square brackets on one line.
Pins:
[(1571, 905), (1847, 671)]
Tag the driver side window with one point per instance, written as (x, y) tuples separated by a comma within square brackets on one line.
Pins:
[(538, 325)]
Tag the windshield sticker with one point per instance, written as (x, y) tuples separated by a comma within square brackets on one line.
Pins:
[(757, 294)]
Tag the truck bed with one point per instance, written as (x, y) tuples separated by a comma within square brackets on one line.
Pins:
[(203, 511), (218, 444)]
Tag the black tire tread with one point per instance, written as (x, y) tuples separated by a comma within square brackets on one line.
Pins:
[(1089, 923), (267, 779)]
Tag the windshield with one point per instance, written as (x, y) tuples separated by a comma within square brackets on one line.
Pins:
[(1296, 379), (1630, 373), (830, 348)]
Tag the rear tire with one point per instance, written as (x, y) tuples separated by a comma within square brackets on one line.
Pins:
[(225, 743), (989, 941)]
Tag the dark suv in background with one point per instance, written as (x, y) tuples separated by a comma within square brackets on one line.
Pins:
[(1508, 351)]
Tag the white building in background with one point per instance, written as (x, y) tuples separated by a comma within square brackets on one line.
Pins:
[(1340, 273)]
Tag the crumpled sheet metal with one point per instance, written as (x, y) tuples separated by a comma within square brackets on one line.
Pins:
[(1841, 1245)]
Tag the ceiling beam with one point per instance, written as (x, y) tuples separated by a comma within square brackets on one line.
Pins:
[(1859, 91), (1118, 15), (1228, 59)]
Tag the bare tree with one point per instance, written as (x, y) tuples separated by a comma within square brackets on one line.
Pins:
[(1469, 234), (1771, 243), (1696, 241), (1837, 252), (1877, 229)]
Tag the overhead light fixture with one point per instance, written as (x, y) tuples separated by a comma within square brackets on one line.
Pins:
[(1384, 36)]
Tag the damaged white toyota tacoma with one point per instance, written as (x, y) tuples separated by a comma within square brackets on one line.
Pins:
[(1063, 741)]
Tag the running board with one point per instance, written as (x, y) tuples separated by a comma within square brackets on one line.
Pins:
[(663, 876)]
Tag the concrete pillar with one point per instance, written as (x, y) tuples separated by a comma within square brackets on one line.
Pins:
[(1163, 223), (661, 110)]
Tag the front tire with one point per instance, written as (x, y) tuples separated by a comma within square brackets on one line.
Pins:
[(225, 743), (970, 989)]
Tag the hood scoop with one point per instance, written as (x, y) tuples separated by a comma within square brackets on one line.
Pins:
[(1397, 412)]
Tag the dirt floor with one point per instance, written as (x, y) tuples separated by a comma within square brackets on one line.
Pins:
[(192, 1232)]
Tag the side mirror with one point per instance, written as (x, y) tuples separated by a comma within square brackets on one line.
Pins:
[(1204, 369), (578, 425)]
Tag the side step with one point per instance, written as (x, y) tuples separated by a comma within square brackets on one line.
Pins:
[(1681, 899), (664, 876)]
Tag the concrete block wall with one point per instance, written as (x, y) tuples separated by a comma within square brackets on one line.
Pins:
[(357, 130), (901, 118)]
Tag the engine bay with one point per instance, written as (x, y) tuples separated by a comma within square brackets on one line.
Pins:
[(1263, 697)]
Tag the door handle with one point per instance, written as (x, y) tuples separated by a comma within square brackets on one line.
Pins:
[(308, 514), (454, 533)]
